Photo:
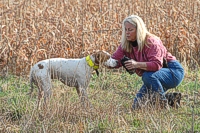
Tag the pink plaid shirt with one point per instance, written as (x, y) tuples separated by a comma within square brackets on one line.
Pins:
[(153, 54)]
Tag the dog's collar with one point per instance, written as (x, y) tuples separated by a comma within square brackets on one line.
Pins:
[(90, 63)]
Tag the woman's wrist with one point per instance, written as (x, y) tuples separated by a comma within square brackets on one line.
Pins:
[(141, 65)]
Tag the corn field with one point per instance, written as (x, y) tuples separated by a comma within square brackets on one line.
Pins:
[(32, 30)]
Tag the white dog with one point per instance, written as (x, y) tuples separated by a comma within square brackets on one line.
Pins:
[(72, 72)]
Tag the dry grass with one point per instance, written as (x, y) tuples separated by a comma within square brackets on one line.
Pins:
[(32, 30), (35, 30), (111, 95)]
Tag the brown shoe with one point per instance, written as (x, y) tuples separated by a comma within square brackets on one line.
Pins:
[(174, 99)]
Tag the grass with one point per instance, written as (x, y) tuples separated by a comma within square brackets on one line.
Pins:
[(111, 95)]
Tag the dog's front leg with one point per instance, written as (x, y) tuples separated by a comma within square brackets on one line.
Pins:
[(83, 97), (82, 94)]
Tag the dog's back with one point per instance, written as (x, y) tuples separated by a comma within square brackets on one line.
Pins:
[(72, 72)]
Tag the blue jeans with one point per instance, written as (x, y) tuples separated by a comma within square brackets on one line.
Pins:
[(160, 81)]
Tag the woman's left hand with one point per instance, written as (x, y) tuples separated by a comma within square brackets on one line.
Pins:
[(131, 64)]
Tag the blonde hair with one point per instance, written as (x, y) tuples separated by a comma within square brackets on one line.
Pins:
[(142, 33)]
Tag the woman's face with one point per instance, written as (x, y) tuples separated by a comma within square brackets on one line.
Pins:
[(131, 31)]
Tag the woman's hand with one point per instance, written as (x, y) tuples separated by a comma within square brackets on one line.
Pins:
[(131, 64)]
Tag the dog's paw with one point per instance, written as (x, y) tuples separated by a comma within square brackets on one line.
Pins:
[(111, 62)]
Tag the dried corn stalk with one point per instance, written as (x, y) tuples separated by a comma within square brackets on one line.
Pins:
[(36, 30)]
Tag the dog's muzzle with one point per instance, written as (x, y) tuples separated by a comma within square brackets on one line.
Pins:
[(111, 63)]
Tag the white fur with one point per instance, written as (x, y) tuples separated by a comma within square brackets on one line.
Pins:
[(111, 62), (72, 72)]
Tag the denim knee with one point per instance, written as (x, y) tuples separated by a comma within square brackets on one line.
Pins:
[(145, 77), (152, 82)]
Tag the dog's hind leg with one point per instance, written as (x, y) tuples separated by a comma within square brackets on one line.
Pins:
[(43, 94), (39, 98), (47, 95), (44, 90), (47, 89)]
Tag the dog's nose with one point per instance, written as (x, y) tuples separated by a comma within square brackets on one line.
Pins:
[(117, 62)]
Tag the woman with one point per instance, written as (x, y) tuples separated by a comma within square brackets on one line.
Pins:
[(147, 55)]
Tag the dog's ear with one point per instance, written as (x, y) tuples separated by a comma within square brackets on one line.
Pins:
[(104, 56), (97, 57), (101, 56)]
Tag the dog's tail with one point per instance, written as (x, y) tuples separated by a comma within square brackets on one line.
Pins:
[(31, 83)]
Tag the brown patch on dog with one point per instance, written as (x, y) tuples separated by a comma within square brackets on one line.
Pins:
[(101, 56), (40, 66)]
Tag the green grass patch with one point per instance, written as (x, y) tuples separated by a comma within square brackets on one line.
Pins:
[(111, 95)]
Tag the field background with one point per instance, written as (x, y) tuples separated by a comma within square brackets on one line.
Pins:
[(32, 30), (35, 30)]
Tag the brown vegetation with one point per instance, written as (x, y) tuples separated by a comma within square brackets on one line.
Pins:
[(32, 30)]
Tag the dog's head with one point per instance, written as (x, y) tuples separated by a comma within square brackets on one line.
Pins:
[(101, 57)]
